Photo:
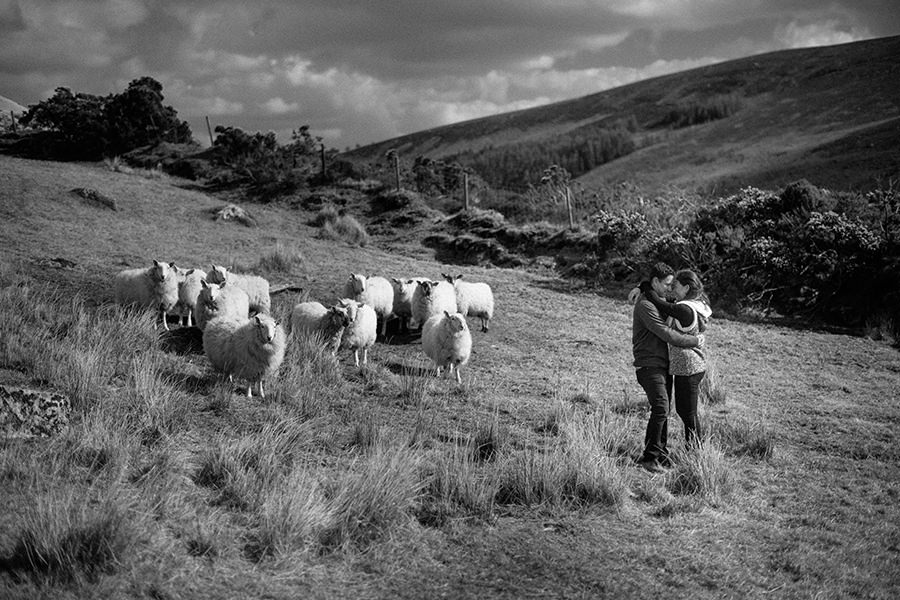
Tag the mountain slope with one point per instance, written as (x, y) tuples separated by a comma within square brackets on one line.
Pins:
[(828, 114)]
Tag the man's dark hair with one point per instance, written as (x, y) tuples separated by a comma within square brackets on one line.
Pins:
[(660, 271)]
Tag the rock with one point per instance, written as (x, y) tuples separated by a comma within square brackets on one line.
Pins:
[(32, 413), (233, 212), (94, 197)]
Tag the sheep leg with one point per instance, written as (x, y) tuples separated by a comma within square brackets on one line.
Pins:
[(356, 356), (189, 313), (365, 356), (162, 313), (484, 325), (458, 376), (250, 390), (262, 394)]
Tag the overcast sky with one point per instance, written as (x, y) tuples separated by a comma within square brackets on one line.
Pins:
[(361, 71)]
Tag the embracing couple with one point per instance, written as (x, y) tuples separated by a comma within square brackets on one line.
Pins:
[(669, 353)]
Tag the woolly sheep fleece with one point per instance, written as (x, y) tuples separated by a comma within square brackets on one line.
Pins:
[(151, 287), (190, 283), (374, 291), (431, 298), (360, 334), (447, 341), (257, 288), (220, 301), (473, 299), (251, 349)]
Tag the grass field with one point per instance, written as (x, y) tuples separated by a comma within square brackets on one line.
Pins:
[(384, 482)]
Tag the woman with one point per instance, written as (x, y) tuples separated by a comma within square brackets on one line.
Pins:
[(688, 314)]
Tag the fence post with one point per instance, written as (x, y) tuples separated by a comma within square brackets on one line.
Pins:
[(12, 114), (397, 169), (569, 208), (209, 130), (322, 154), (466, 191)]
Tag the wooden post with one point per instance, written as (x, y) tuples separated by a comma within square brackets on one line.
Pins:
[(209, 130), (397, 169), (13, 122), (323, 162), (569, 208), (466, 191)]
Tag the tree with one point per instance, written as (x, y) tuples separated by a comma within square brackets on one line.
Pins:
[(88, 127)]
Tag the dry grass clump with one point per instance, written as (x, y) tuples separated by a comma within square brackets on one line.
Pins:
[(712, 387), (702, 472), (71, 535), (281, 259), (457, 488), (743, 437), (336, 225)]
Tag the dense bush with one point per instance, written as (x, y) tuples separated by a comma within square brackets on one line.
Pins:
[(804, 252), (267, 167), (87, 127), (696, 111)]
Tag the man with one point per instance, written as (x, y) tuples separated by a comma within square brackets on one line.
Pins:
[(650, 337)]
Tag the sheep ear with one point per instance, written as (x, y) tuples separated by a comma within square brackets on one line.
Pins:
[(204, 284), (447, 313), (191, 271), (257, 319), (459, 276), (155, 263)]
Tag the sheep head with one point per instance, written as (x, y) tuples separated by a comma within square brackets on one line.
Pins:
[(357, 283), (266, 328), (217, 275)]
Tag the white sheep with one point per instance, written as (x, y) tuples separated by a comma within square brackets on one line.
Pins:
[(250, 349), (189, 287), (153, 287), (373, 291), (220, 300), (447, 341), (314, 319), (360, 334), (473, 299), (257, 287), (431, 298), (403, 295)]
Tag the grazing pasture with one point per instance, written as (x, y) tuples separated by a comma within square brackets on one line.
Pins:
[(385, 482)]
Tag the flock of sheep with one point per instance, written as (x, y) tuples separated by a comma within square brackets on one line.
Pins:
[(242, 340)]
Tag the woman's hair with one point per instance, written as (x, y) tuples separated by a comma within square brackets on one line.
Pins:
[(660, 271), (690, 279)]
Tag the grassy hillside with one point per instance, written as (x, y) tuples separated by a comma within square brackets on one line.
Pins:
[(830, 115), (346, 483)]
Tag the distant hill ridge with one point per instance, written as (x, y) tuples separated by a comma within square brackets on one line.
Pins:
[(7, 105), (828, 114)]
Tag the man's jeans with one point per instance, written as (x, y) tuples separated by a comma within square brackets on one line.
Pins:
[(657, 384)]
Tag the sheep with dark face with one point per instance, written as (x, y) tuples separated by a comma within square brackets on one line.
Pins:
[(313, 319)]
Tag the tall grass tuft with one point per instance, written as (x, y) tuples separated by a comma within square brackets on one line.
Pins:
[(712, 388), (157, 404), (416, 387), (743, 437), (280, 259), (376, 496), (294, 515), (70, 535), (342, 227), (456, 489), (310, 379), (701, 472)]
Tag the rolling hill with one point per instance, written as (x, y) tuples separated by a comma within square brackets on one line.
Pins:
[(828, 114)]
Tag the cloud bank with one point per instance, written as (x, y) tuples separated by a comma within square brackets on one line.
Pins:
[(359, 72)]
